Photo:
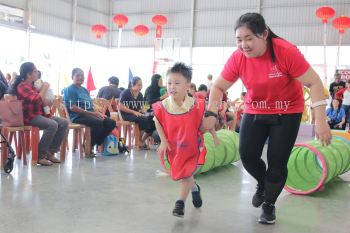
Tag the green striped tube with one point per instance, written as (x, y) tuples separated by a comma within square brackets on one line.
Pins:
[(312, 165), (223, 154)]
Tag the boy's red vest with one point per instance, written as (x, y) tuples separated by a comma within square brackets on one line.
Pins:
[(186, 142)]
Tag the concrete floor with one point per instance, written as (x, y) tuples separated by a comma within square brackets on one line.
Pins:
[(130, 194)]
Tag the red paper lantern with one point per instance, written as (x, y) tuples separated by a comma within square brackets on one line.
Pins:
[(141, 30), (325, 13), (159, 20), (99, 30), (341, 23), (120, 20)]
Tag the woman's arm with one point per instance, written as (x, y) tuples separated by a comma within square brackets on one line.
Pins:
[(342, 122), (76, 109), (219, 87), (128, 110), (311, 80), (164, 96), (43, 91)]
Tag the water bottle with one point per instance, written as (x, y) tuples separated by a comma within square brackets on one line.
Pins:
[(347, 127)]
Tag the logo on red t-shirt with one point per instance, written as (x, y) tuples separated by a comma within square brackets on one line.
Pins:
[(275, 72)]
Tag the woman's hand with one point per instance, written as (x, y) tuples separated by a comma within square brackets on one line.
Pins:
[(98, 115), (165, 95), (209, 122), (340, 125), (323, 133), (163, 147), (138, 114)]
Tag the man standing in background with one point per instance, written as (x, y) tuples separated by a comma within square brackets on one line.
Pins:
[(108, 92), (209, 82), (336, 85)]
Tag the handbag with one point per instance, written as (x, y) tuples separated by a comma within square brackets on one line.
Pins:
[(268, 119), (11, 113)]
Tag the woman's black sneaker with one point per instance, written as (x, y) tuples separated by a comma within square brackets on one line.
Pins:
[(258, 197), (178, 211), (196, 197), (268, 215)]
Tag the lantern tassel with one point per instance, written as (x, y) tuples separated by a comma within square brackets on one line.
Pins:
[(119, 37), (339, 44), (324, 54)]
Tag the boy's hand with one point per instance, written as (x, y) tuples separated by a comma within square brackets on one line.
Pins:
[(163, 147)]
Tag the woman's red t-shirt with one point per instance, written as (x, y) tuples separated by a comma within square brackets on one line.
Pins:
[(271, 87)]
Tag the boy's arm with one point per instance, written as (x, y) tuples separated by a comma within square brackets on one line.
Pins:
[(164, 146), (160, 130)]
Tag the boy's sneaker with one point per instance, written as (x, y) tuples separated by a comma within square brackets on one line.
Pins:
[(178, 211), (268, 215), (258, 197), (196, 197)]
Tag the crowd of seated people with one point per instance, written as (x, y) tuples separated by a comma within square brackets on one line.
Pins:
[(133, 107)]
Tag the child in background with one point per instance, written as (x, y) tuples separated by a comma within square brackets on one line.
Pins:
[(178, 121), (49, 97)]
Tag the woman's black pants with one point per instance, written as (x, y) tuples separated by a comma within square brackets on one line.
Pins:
[(281, 137)]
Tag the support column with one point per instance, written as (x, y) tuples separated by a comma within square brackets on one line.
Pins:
[(193, 7)]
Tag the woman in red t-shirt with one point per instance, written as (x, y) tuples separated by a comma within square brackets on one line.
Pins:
[(273, 72)]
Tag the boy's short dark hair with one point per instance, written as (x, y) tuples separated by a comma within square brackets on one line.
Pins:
[(181, 68), (202, 87)]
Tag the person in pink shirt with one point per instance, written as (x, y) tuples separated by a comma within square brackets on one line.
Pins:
[(273, 71)]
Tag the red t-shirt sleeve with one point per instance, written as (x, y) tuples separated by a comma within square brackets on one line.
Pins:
[(231, 71), (295, 62)]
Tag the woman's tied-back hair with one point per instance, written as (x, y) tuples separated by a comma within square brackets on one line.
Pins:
[(256, 23), (181, 68), (25, 69)]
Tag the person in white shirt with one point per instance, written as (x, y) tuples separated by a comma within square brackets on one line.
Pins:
[(209, 82)]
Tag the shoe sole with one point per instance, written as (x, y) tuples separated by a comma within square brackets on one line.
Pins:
[(45, 165), (265, 222), (54, 161), (178, 215), (257, 206)]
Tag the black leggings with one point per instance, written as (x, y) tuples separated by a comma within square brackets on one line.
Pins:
[(281, 137), (100, 129)]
